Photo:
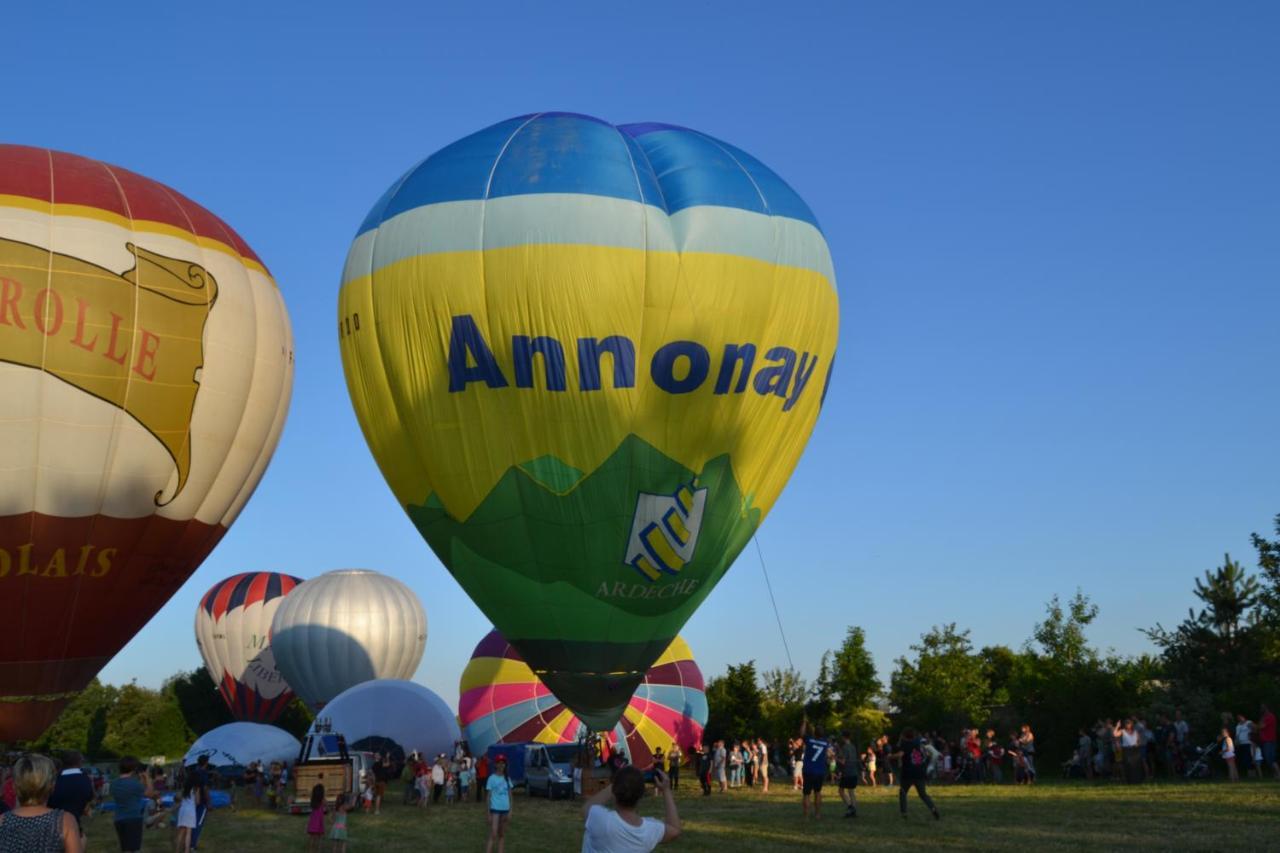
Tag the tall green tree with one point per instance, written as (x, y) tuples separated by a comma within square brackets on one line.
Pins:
[(944, 686), (782, 698), (198, 700), (734, 704), (1059, 682), (146, 722), (82, 725)]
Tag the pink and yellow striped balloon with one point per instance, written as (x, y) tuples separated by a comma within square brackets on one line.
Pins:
[(503, 701)]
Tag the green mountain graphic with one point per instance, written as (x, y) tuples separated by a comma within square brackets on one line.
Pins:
[(543, 556)]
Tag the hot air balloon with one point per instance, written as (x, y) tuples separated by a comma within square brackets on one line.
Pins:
[(587, 359), (237, 745), (392, 717), (502, 701), (146, 364), (346, 627), (233, 625)]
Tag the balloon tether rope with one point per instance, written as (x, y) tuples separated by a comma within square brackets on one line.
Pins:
[(773, 601)]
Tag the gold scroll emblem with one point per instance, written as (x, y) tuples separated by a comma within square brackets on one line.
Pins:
[(134, 339)]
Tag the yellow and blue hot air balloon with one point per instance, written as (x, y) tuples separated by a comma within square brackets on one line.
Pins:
[(587, 358)]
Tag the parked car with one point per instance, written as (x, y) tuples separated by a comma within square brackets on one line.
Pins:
[(548, 770)]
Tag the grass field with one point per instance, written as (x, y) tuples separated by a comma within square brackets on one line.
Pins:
[(1209, 816)]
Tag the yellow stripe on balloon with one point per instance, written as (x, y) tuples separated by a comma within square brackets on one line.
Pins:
[(553, 731), (678, 650), (482, 672), (653, 298)]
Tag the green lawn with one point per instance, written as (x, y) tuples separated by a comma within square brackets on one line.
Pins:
[(1066, 816)]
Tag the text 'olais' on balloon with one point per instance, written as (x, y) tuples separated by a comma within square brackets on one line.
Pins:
[(86, 560)]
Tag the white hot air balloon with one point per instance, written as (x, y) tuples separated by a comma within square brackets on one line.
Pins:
[(393, 717), (239, 744), (346, 627)]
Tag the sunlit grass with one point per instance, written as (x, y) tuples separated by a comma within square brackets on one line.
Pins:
[(1074, 816)]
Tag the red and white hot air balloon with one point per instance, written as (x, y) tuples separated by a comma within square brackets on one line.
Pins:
[(233, 631)]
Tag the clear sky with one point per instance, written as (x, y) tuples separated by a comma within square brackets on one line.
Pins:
[(1054, 228)]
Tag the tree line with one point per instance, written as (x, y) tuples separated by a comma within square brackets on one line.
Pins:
[(105, 722), (1223, 656)]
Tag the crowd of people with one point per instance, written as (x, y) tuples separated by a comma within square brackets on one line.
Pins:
[(43, 804)]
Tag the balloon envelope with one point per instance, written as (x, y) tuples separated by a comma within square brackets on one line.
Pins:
[(393, 716), (239, 744), (233, 627), (587, 359), (146, 363), (346, 627), (502, 701)]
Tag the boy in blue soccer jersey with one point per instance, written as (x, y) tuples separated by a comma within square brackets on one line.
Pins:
[(815, 767)]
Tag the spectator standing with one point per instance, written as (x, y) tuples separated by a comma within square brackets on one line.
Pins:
[(499, 790), (199, 776), (719, 761), (1180, 727), (1027, 746), (1267, 738), (482, 776), (128, 790), (1244, 745), (31, 825), (704, 762), (913, 770), (186, 819), (673, 766), (73, 790), (1229, 754), (437, 778), (762, 750), (850, 772), (814, 769), (381, 773), (1084, 753)]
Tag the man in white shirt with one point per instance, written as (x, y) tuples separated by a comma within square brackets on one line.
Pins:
[(622, 829)]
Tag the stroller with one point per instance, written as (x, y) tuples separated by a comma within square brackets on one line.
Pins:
[(1199, 768)]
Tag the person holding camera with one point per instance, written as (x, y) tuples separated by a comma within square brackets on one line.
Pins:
[(622, 829)]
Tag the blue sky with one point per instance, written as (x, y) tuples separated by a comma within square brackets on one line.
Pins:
[(1054, 231)]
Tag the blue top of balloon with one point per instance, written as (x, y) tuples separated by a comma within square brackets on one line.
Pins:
[(558, 152)]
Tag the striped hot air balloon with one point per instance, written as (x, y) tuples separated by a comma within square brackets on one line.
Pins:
[(502, 701), (233, 631)]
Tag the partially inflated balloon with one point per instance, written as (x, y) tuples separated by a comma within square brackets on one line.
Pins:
[(502, 701), (233, 629), (146, 363), (346, 627), (587, 359)]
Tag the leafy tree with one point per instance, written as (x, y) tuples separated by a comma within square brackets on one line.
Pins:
[(1061, 635), (944, 688), (146, 722), (296, 718), (198, 700), (81, 725), (1218, 646), (1060, 683), (846, 683), (734, 704), (998, 666), (783, 693), (851, 678)]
